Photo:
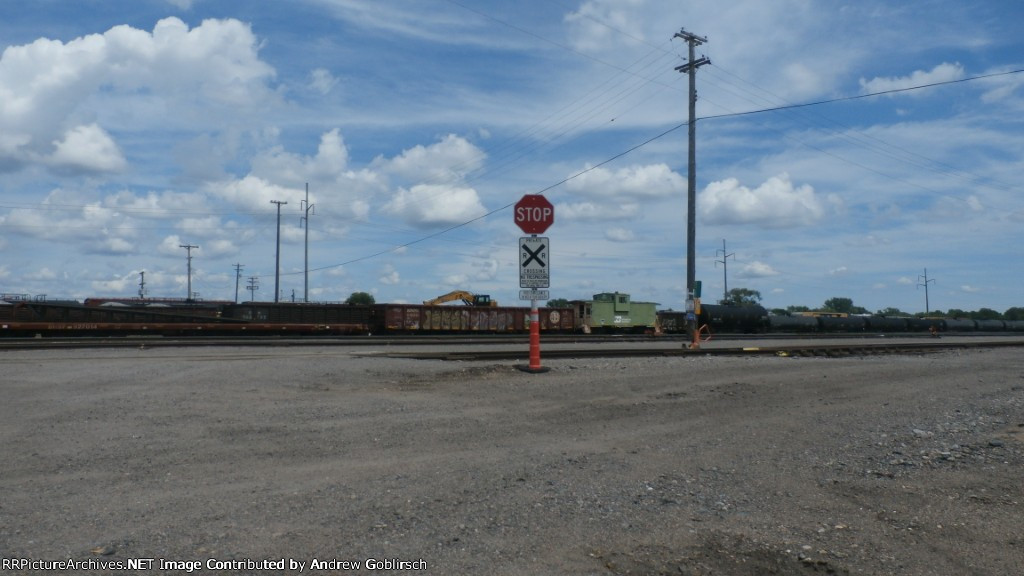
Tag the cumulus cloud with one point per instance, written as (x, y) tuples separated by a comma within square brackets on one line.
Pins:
[(942, 73), (329, 164), (47, 84), (449, 160), (428, 205), (87, 149), (254, 194), (757, 270), (632, 182), (774, 204)]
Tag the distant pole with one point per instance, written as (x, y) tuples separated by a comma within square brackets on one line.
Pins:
[(142, 284), (238, 276), (189, 248), (925, 284), (725, 270), (306, 208), (690, 68), (277, 257), (254, 285)]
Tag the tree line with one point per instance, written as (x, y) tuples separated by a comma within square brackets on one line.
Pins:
[(841, 305)]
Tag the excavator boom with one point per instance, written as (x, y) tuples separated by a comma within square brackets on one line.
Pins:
[(468, 298)]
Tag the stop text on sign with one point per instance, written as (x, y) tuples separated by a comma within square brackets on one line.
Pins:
[(534, 214)]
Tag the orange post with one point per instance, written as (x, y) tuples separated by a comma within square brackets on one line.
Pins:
[(534, 338)]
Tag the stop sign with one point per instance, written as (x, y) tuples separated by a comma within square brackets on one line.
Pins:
[(534, 214)]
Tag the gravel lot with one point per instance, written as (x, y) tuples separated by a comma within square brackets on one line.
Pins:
[(238, 458)]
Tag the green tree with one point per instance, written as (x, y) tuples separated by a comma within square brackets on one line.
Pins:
[(742, 297), (360, 298), (792, 309), (1015, 313), (558, 303), (892, 312), (986, 314), (843, 306)]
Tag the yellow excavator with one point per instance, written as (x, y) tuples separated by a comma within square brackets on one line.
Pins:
[(468, 298)]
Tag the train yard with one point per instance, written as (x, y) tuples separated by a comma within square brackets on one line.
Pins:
[(606, 313)]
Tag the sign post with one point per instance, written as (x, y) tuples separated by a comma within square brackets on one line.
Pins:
[(534, 215)]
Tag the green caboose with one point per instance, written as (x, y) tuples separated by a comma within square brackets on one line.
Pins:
[(615, 312)]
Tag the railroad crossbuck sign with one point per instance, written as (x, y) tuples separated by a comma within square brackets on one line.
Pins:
[(534, 214), (534, 264)]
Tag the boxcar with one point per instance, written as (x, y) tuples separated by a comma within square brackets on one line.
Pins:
[(419, 318)]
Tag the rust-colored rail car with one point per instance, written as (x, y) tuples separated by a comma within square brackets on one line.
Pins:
[(416, 318)]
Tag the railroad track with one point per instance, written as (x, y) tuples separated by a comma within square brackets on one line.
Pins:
[(83, 342), (498, 347), (829, 350)]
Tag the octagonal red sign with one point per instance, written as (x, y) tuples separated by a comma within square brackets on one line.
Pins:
[(534, 214)]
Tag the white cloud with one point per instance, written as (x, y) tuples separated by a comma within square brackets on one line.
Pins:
[(633, 182), (774, 204), (43, 273), (322, 81), (428, 205), (210, 72), (449, 160), (757, 269), (942, 73), (389, 276), (486, 269), (87, 148), (589, 211), (619, 234), (254, 194), (598, 24)]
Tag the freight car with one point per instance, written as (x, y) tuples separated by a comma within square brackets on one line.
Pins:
[(718, 319), (418, 319), (753, 319), (614, 312)]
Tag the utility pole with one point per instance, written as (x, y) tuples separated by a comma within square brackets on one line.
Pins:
[(277, 258), (142, 284), (304, 221), (254, 285), (690, 68), (925, 284), (238, 276), (189, 248), (725, 270)]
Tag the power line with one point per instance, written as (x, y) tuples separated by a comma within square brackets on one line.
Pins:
[(637, 147)]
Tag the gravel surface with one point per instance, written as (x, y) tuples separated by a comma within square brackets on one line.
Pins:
[(240, 458)]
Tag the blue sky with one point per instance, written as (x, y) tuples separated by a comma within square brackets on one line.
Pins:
[(130, 128)]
